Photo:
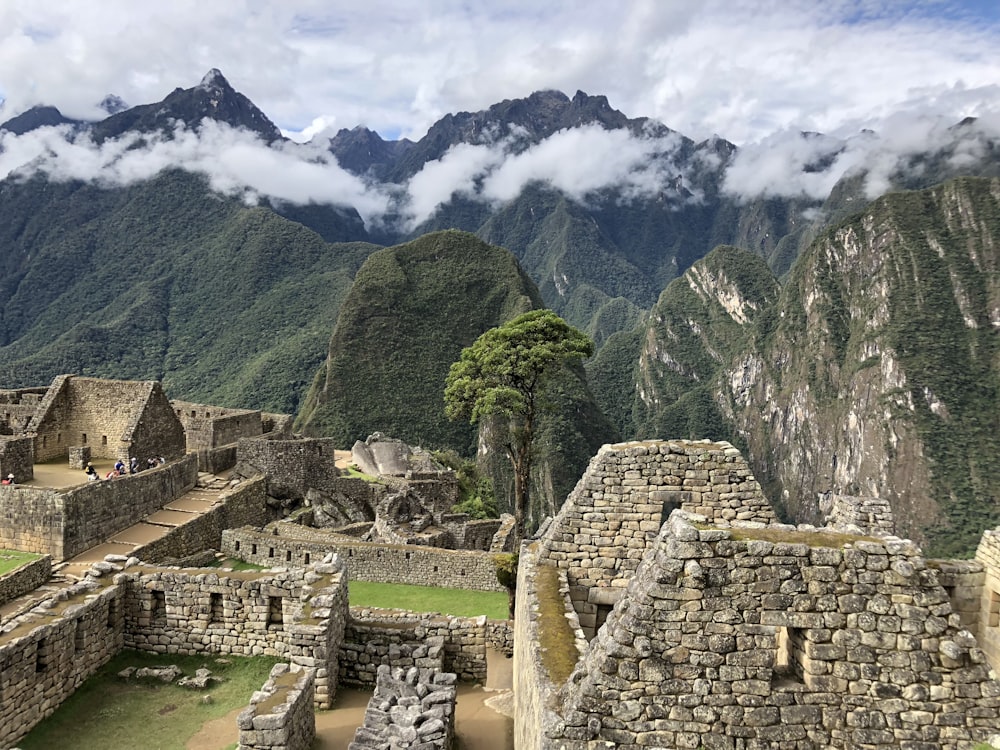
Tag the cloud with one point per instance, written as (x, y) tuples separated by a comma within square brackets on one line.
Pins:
[(579, 162), (235, 162), (793, 164), (741, 68)]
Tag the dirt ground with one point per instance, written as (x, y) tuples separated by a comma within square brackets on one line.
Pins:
[(477, 726)]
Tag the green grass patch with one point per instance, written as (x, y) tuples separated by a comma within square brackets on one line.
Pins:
[(233, 564), (111, 712), (12, 559), (457, 602)]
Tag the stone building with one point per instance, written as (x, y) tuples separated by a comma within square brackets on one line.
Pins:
[(114, 419), (720, 629)]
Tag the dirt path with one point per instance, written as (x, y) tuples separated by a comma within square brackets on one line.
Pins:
[(217, 733)]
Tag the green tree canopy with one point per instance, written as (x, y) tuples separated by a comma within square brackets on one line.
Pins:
[(501, 375)]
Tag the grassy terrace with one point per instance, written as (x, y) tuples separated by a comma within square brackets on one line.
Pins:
[(109, 711), (11, 559), (457, 602)]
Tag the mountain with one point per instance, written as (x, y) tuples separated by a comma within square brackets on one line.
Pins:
[(411, 310), (36, 117), (882, 373), (214, 99), (225, 303)]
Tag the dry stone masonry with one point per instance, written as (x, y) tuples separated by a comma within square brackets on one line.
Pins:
[(280, 715), (739, 634), (411, 708)]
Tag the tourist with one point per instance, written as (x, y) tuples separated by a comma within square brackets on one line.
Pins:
[(120, 467), (91, 472), (150, 463), (133, 465), (9, 479)]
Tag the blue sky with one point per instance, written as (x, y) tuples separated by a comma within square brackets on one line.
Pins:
[(742, 69)]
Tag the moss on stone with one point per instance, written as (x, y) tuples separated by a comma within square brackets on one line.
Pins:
[(830, 539), (556, 638)]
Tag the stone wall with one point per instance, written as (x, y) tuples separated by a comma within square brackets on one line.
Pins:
[(292, 544), (500, 636), (280, 715), (988, 633), (616, 509), (244, 504), (94, 511), (207, 427), (859, 515), (46, 655), (778, 638), (17, 408), (17, 457), (409, 708), (33, 520), (116, 418), (25, 578), (291, 466), (409, 639), (963, 581)]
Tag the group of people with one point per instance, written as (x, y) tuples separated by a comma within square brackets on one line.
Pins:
[(121, 469)]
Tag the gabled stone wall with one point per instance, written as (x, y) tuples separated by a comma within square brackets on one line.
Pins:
[(115, 418), (696, 652), (291, 466)]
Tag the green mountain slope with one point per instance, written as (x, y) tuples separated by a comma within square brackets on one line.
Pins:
[(410, 312), (164, 280), (882, 374)]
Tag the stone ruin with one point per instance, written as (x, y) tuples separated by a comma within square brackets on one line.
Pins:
[(728, 632), (681, 613)]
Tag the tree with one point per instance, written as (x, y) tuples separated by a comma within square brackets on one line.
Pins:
[(502, 374)]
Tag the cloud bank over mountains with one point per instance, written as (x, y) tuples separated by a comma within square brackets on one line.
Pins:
[(582, 163)]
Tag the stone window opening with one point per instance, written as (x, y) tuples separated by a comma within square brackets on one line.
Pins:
[(994, 610), (288, 555), (215, 611), (306, 558), (237, 546), (45, 440), (275, 619), (42, 655), (270, 551), (79, 637), (58, 438), (84, 438), (158, 609), (253, 549), (112, 612), (789, 656), (104, 440)]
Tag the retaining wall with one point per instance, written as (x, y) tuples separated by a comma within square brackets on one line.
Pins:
[(25, 578), (988, 632), (32, 520), (17, 457), (293, 544), (280, 715), (95, 511), (244, 504), (403, 639), (42, 662)]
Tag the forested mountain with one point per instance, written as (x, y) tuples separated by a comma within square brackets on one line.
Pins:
[(847, 344)]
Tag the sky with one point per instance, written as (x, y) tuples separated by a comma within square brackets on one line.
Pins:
[(756, 72)]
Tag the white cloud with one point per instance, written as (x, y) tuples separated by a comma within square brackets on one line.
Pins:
[(234, 161), (740, 68)]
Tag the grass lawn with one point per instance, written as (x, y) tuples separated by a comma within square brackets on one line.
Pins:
[(10, 559), (109, 712), (458, 602)]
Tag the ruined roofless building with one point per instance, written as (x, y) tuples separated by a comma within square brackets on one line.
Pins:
[(115, 419), (719, 634)]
